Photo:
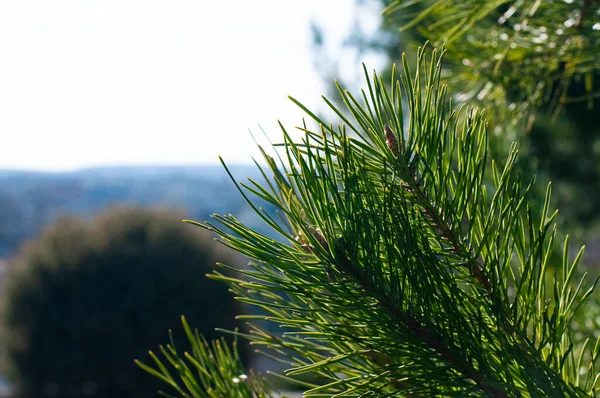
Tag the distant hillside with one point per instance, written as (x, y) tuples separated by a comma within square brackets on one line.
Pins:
[(31, 200)]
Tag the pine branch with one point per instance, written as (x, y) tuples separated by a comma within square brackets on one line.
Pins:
[(445, 231), (219, 370), (387, 244), (422, 333)]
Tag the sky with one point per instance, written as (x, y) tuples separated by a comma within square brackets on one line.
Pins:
[(124, 82)]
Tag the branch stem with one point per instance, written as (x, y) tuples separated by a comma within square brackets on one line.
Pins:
[(419, 331), (475, 268)]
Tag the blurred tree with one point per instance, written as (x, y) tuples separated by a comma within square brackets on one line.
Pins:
[(83, 300)]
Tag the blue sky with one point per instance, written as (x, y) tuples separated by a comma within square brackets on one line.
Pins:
[(87, 83)]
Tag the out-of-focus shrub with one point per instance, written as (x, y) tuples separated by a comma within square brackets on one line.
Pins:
[(85, 299)]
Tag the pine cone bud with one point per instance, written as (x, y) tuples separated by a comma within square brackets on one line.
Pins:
[(391, 140), (318, 235), (342, 262)]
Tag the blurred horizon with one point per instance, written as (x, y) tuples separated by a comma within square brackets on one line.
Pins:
[(131, 166), (95, 84)]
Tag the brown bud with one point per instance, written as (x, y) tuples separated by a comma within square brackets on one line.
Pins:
[(391, 140), (318, 235)]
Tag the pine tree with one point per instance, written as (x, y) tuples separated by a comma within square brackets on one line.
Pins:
[(408, 263)]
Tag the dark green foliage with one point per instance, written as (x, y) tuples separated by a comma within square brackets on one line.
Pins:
[(83, 301), (567, 148)]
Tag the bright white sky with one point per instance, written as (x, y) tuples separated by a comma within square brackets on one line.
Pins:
[(115, 82)]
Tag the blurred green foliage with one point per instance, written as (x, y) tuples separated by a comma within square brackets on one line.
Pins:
[(83, 300)]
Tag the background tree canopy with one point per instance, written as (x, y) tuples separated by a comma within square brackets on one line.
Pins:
[(532, 64)]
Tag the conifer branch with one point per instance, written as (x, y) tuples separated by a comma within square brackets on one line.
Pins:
[(368, 275), (207, 370), (419, 331), (444, 230)]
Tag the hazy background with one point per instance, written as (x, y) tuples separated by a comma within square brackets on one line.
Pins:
[(106, 103)]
